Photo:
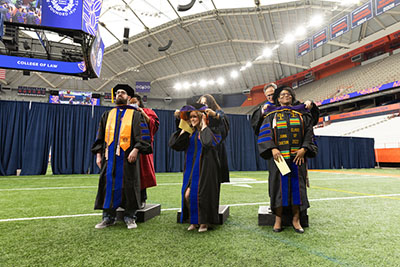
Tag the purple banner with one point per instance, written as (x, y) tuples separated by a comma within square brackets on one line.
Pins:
[(361, 15), (96, 54), (142, 87), (360, 93), (303, 48), (340, 27), (382, 6), (320, 38)]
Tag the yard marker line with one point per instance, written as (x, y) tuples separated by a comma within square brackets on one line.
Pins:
[(50, 217), (173, 209), (47, 188), (345, 198), (167, 184), (354, 193), (357, 173)]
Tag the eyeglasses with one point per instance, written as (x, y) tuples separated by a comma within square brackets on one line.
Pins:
[(285, 94)]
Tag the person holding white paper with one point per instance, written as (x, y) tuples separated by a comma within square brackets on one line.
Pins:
[(286, 134)]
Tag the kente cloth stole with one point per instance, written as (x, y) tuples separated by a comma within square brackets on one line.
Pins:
[(288, 126), (124, 138)]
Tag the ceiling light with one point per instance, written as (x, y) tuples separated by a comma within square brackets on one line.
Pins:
[(289, 38), (203, 83), (211, 82), (234, 74), (349, 2), (316, 21), (267, 52), (275, 47), (194, 84), (242, 68), (178, 86), (249, 64), (300, 31), (220, 81), (186, 85)]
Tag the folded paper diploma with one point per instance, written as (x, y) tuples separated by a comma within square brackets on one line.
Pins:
[(282, 166), (184, 125)]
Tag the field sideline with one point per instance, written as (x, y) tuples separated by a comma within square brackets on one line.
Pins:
[(354, 221)]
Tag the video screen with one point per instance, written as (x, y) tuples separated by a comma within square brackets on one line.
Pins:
[(22, 11), (74, 98)]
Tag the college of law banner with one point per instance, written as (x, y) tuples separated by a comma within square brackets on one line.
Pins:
[(320, 38), (303, 47), (339, 27), (361, 15), (44, 65), (142, 87), (382, 6)]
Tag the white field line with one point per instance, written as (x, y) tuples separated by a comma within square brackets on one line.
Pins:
[(175, 209), (168, 184), (73, 176), (47, 188)]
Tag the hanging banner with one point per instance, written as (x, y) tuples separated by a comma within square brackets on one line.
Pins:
[(361, 15), (320, 38), (382, 6), (142, 87), (303, 48), (96, 54), (23, 63), (2, 17), (339, 27)]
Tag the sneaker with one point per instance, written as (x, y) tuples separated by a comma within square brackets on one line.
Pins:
[(105, 223), (131, 224)]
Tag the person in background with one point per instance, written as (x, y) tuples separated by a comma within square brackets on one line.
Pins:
[(147, 172), (200, 188), (258, 115), (286, 134), (122, 134)]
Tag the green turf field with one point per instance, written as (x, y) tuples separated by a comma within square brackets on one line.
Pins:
[(354, 221)]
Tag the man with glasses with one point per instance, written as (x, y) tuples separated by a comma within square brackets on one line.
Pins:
[(258, 115), (122, 134)]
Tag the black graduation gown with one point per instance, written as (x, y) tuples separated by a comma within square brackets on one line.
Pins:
[(119, 183), (290, 189), (200, 174), (221, 126)]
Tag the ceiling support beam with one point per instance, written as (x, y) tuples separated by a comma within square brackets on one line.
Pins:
[(338, 44), (45, 80)]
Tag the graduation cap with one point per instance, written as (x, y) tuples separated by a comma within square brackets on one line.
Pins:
[(129, 90), (185, 110)]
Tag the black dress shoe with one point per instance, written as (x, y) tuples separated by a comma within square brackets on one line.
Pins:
[(277, 230), (299, 231)]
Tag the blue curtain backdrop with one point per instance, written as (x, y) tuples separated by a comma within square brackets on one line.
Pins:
[(30, 130), (13, 122), (343, 153)]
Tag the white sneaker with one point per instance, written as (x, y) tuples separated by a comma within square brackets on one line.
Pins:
[(131, 224), (104, 223)]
